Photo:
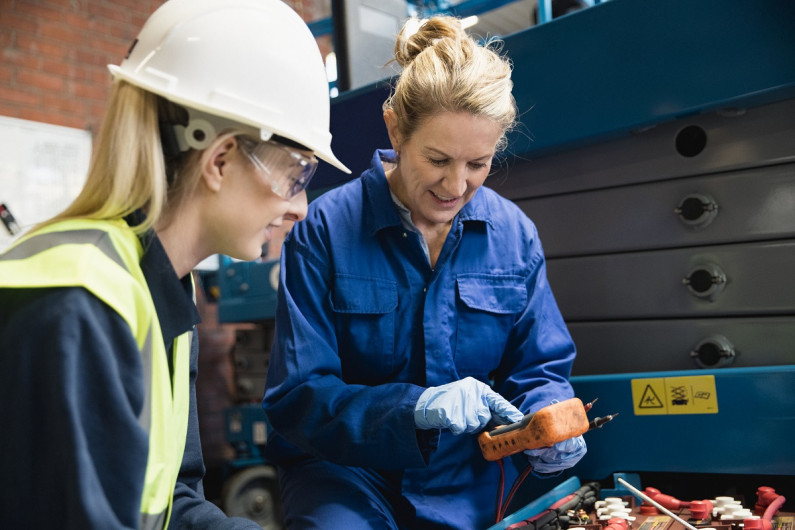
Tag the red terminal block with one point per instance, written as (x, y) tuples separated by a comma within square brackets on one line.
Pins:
[(765, 495), (701, 510), (757, 524), (616, 523)]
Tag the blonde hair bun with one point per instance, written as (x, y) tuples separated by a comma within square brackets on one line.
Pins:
[(418, 35), (446, 70)]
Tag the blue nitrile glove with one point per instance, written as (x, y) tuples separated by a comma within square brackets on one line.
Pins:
[(462, 406), (560, 456)]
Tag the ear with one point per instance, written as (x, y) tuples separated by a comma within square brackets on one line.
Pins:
[(214, 160), (395, 138)]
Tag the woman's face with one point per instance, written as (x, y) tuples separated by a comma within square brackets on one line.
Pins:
[(252, 213), (442, 164)]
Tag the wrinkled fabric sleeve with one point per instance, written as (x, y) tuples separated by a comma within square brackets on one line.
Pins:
[(306, 399), (190, 508)]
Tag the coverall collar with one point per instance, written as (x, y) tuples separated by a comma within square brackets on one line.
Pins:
[(173, 297), (377, 194)]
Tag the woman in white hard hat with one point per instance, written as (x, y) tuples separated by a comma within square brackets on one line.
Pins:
[(416, 306), (210, 136)]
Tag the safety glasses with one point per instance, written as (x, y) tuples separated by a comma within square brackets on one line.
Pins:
[(286, 169)]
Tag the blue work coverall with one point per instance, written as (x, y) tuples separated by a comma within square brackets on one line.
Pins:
[(72, 451), (364, 325)]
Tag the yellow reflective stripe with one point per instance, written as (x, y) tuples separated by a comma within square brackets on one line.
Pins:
[(41, 242), (152, 521), (86, 266), (147, 354)]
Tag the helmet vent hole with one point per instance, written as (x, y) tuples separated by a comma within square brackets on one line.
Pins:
[(199, 135)]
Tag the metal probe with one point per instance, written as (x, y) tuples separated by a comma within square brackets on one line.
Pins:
[(656, 504), (596, 423)]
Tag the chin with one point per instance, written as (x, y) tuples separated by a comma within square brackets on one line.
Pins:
[(248, 255)]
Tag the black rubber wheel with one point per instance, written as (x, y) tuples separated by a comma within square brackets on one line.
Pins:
[(253, 493)]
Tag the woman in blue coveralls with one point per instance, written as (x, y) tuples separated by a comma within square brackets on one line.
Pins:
[(416, 305), (210, 135)]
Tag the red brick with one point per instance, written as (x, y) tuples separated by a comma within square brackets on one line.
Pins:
[(38, 11), (59, 68), (107, 47), (9, 110), (91, 58), (39, 80), (60, 33), (16, 22), (90, 91), (16, 57), (6, 74), (20, 97), (104, 13), (82, 22), (37, 114), (65, 105), (42, 46)]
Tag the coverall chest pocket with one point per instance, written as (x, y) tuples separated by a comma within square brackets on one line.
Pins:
[(365, 323), (487, 307)]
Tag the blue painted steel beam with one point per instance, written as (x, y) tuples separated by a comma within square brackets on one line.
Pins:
[(468, 8), (627, 64), (602, 72)]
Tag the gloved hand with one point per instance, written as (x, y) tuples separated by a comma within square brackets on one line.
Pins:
[(560, 456), (462, 406)]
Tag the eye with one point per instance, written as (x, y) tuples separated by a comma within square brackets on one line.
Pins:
[(438, 162), (478, 165)]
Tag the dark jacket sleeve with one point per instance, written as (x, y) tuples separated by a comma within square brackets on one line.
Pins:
[(72, 452), (191, 509)]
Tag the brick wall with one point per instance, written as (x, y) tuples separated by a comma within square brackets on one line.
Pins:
[(55, 53)]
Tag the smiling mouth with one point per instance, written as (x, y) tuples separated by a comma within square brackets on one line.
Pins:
[(445, 201)]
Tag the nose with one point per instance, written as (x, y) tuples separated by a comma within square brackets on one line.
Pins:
[(455, 182), (298, 207)]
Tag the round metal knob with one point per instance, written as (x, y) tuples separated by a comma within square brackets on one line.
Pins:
[(713, 352), (705, 281), (697, 210)]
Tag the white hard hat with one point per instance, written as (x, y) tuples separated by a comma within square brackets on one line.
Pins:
[(252, 62)]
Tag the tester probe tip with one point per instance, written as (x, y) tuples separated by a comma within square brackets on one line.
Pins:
[(598, 422), (588, 406)]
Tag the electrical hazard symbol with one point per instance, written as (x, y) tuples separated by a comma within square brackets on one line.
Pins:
[(650, 400), (675, 395)]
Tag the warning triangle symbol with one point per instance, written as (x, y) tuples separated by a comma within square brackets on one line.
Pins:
[(649, 399)]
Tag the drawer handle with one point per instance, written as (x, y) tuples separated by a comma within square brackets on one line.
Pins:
[(713, 352), (697, 210), (705, 281)]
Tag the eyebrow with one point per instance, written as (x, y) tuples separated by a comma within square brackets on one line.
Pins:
[(442, 153)]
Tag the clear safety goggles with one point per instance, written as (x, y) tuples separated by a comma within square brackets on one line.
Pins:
[(286, 169)]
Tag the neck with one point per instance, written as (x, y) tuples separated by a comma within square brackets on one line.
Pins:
[(179, 239)]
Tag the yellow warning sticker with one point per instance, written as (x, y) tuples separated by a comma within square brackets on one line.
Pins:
[(675, 395)]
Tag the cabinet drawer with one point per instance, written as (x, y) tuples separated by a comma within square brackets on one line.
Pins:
[(661, 345), (757, 279), (747, 205), (738, 139)]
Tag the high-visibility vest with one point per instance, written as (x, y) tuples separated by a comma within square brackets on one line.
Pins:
[(103, 257)]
